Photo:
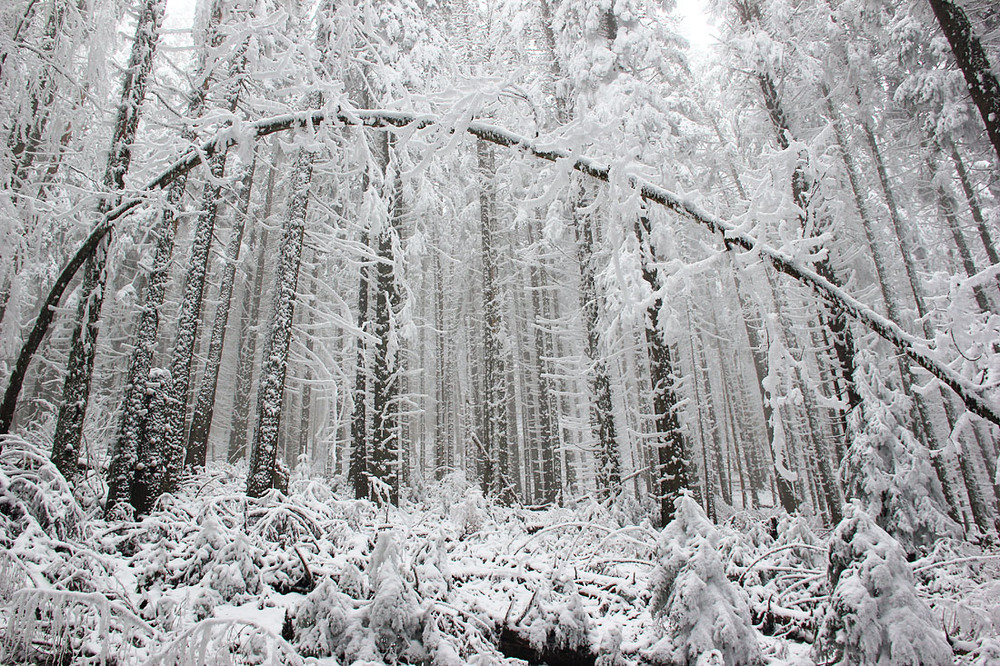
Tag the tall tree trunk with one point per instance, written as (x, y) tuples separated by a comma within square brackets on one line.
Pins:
[(80, 367), (384, 454), (164, 445), (496, 453), (135, 402), (831, 315), (443, 444), (305, 443), (971, 58), (894, 308), (601, 405), (250, 328), (948, 208), (24, 141), (201, 421), (548, 440), (602, 420), (671, 455), (973, 200), (359, 472), (944, 467), (165, 439), (752, 327), (262, 476)]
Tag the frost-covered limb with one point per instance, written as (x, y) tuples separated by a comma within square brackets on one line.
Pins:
[(960, 560), (916, 349), (56, 626), (774, 551), (212, 638)]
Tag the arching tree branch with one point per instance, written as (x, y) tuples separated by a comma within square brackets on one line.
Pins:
[(915, 349)]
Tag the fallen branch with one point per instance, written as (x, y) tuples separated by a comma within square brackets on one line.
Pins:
[(771, 552), (961, 560)]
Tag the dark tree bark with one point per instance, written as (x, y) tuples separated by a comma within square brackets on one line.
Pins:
[(358, 472), (384, 454), (971, 58), (262, 476), (135, 402), (602, 420), (165, 433), (305, 434), (80, 367), (249, 329), (201, 421), (548, 439), (24, 140), (443, 445), (672, 454), (974, 207), (495, 446)]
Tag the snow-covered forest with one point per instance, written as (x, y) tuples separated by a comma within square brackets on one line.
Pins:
[(499, 331)]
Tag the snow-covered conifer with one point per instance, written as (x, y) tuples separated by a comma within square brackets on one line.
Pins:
[(321, 621), (394, 616), (698, 608), (874, 615), (889, 470)]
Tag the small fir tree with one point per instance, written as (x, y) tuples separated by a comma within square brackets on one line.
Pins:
[(698, 607), (873, 615)]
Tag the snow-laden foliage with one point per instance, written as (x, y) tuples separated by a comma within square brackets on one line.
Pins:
[(54, 627), (33, 494), (889, 470), (701, 610), (213, 577), (874, 615)]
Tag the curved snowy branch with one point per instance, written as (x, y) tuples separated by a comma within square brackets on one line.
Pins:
[(970, 394)]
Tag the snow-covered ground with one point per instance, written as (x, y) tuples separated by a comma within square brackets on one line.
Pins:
[(214, 577)]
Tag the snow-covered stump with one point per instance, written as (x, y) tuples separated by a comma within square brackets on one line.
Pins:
[(698, 609), (873, 615)]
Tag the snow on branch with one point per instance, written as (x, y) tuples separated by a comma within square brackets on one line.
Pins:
[(917, 350)]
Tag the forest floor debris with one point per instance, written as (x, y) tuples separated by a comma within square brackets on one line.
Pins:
[(215, 577)]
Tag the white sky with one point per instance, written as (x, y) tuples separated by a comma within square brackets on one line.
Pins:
[(694, 24), (179, 15)]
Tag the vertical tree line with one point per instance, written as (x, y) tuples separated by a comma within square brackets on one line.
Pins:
[(414, 304)]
